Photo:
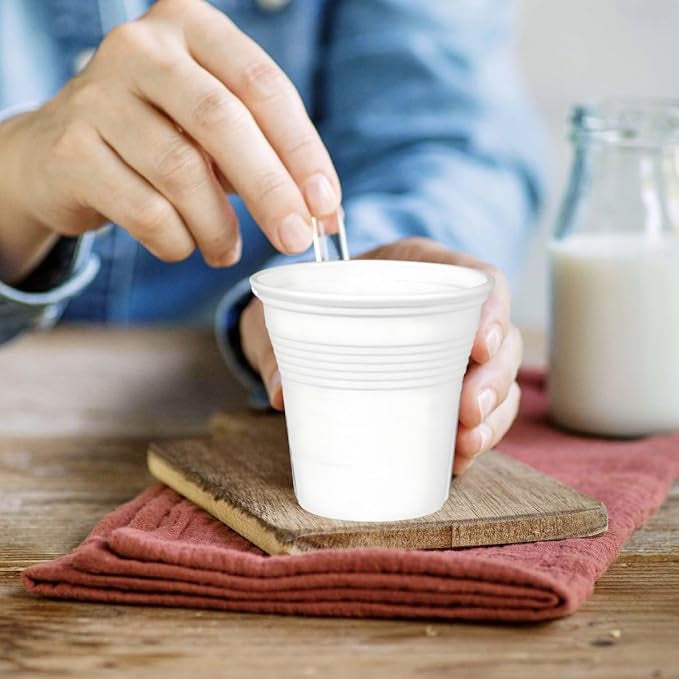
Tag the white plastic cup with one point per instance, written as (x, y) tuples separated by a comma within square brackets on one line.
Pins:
[(371, 354)]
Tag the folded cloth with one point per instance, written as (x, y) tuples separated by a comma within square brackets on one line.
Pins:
[(161, 549)]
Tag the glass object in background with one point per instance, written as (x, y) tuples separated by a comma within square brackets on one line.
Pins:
[(614, 360)]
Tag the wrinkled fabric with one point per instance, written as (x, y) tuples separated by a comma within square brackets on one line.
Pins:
[(161, 549)]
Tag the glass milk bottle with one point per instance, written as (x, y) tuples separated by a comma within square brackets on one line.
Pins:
[(614, 355)]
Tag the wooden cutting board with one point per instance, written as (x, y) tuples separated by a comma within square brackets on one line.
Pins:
[(242, 476)]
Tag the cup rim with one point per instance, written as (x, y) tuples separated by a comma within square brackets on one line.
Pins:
[(459, 291)]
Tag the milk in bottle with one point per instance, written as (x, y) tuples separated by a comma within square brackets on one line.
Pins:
[(614, 358)]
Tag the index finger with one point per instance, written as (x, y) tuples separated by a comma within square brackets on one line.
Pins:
[(215, 118), (220, 47)]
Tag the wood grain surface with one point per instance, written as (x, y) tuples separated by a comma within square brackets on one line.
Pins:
[(69, 455), (242, 476)]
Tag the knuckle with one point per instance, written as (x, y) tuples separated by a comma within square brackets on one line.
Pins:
[(263, 80), (70, 143), (510, 406), (181, 167), (130, 36), (516, 405), (218, 108), (168, 62), (142, 39), (269, 184), (516, 392), (153, 216), (419, 241), (414, 246), (86, 94), (304, 146)]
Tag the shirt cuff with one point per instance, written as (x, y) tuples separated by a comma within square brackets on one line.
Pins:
[(227, 331), (39, 300)]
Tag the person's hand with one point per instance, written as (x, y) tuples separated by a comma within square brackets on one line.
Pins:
[(490, 395), (173, 111)]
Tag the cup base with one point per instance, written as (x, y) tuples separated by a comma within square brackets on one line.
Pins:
[(381, 516)]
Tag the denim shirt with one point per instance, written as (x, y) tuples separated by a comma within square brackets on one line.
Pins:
[(419, 104)]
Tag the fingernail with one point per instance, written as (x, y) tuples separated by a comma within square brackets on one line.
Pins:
[(274, 383), (320, 196), (485, 436), (329, 225), (234, 254), (230, 258), (493, 339), (486, 400), (295, 234)]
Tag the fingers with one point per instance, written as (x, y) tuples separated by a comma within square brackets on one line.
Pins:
[(154, 147), (259, 352), (494, 322), (474, 441), (236, 60), (229, 97), (487, 384), (489, 401), (490, 396), (122, 196), (225, 128)]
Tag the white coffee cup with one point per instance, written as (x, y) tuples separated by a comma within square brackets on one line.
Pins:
[(371, 355)]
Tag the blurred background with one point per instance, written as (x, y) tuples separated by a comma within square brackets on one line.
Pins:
[(578, 50)]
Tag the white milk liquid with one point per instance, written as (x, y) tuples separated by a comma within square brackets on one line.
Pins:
[(614, 366)]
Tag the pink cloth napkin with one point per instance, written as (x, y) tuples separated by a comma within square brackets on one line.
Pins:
[(161, 549)]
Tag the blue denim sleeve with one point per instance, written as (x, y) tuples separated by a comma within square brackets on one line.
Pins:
[(429, 127), (227, 332), (39, 301), (425, 117)]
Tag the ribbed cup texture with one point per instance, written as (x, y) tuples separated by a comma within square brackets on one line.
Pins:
[(371, 367)]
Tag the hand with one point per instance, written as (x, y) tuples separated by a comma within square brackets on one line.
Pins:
[(174, 110), (490, 395)]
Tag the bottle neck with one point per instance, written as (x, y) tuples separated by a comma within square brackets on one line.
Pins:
[(621, 188)]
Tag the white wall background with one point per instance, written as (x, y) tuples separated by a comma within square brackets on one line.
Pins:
[(575, 50)]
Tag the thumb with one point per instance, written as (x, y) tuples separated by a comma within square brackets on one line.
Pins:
[(271, 377), (259, 352)]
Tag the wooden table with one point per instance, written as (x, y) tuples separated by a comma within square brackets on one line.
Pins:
[(77, 407)]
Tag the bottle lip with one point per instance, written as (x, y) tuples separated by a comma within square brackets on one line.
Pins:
[(627, 121)]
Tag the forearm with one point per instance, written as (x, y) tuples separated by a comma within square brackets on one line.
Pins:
[(24, 242)]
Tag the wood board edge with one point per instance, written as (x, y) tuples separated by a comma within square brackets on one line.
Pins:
[(591, 519), (248, 526), (590, 522)]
